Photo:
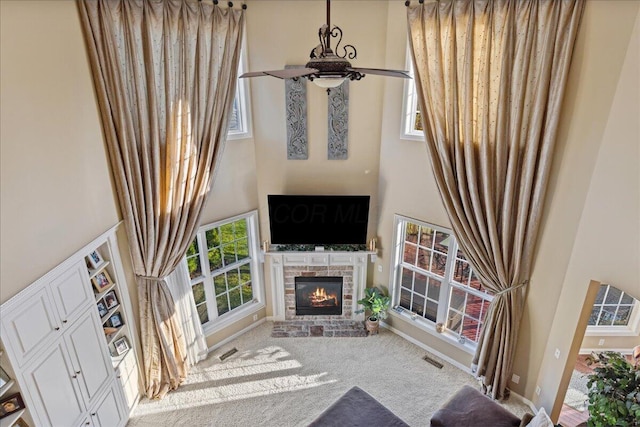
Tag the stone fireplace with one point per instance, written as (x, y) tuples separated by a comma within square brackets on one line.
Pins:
[(307, 273)]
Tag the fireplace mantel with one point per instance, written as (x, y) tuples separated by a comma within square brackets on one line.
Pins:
[(280, 260)]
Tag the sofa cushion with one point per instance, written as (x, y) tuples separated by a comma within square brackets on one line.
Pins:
[(541, 420), (470, 408)]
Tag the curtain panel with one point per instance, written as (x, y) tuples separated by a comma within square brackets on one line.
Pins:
[(165, 75), (180, 286), (490, 77)]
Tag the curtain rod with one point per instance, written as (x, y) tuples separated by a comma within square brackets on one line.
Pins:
[(230, 4)]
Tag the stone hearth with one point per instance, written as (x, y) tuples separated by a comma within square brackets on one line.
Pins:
[(319, 328)]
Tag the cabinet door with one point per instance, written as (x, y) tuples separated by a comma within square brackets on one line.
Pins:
[(127, 374), (30, 326), (72, 292), (109, 412), (89, 354), (53, 389)]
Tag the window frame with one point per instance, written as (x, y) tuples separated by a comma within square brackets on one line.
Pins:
[(447, 283), (410, 104), (632, 328), (243, 99), (219, 322)]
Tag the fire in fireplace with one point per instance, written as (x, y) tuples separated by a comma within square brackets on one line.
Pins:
[(318, 295)]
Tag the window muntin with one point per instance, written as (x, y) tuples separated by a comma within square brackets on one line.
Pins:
[(434, 281), (223, 268), (612, 307)]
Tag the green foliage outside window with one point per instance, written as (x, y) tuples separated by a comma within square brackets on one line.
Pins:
[(418, 123), (226, 245)]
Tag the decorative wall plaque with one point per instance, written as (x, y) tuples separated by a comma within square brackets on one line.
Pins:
[(338, 122), (296, 106)]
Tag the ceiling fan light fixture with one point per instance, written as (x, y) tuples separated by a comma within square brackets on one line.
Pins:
[(329, 82)]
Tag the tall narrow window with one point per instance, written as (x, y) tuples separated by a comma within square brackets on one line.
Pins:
[(411, 116), (434, 283), (223, 267), (240, 116)]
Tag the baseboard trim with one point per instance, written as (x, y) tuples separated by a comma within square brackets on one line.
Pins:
[(236, 335), (423, 346), (624, 351)]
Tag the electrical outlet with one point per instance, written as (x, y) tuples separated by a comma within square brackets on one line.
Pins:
[(538, 391), (601, 342), (515, 378), (255, 317), (379, 269), (557, 353)]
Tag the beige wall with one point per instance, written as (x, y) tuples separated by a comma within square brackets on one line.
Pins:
[(607, 239), (283, 33), (55, 185), (616, 343)]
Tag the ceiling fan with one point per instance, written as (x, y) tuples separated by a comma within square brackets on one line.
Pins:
[(326, 68)]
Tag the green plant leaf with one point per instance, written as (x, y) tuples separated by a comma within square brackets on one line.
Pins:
[(614, 391)]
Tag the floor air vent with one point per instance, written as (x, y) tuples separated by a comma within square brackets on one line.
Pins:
[(228, 353), (433, 362)]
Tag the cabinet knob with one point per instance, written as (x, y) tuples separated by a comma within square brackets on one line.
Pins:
[(93, 414), (78, 372), (64, 321), (74, 376), (57, 328), (87, 423)]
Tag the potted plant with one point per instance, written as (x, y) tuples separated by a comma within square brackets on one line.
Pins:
[(376, 303), (614, 391)]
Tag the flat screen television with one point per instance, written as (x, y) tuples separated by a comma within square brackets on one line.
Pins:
[(318, 220)]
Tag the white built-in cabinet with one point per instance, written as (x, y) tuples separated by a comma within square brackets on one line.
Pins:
[(62, 349)]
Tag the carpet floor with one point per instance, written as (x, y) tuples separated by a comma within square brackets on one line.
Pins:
[(290, 381), (577, 393)]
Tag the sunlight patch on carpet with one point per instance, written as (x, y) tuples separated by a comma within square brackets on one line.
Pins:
[(241, 371), (246, 358), (233, 392)]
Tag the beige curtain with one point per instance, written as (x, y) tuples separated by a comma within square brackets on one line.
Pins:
[(490, 77), (165, 75)]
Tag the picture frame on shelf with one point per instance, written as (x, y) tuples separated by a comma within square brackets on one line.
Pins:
[(110, 299), (115, 321), (101, 281), (11, 404), (108, 330), (121, 345), (95, 259), (4, 377), (102, 308)]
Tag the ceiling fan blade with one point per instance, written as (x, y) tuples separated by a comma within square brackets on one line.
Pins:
[(382, 72), (288, 73)]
